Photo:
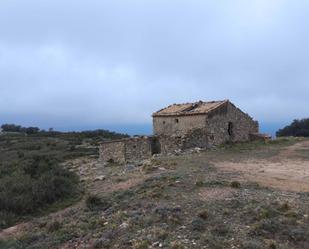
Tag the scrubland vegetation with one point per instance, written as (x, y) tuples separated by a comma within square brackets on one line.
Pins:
[(32, 180)]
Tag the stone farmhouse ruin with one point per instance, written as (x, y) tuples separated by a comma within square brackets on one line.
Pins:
[(180, 127)]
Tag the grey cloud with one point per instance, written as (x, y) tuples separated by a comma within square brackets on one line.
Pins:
[(107, 62)]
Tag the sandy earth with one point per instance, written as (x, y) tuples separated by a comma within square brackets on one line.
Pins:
[(285, 171)]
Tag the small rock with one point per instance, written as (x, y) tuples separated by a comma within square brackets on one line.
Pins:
[(124, 225), (146, 162), (178, 151), (130, 167), (84, 179), (100, 178), (155, 243)]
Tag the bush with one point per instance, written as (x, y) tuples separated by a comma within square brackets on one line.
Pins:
[(35, 185), (54, 226), (298, 128), (198, 224), (6, 219), (235, 184), (203, 214), (253, 245), (95, 203)]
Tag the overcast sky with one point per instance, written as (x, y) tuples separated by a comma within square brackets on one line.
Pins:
[(74, 64)]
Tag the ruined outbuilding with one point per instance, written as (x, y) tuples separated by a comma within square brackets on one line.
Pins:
[(180, 127)]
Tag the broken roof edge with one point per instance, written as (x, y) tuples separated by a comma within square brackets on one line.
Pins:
[(186, 113)]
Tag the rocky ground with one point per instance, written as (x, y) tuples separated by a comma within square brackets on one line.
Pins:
[(246, 196)]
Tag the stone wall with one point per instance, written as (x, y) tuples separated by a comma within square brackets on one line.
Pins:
[(177, 125), (194, 138), (138, 148), (126, 150), (231, 125), (170, 144), (113, 151)]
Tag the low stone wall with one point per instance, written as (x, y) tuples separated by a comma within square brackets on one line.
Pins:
[(194, 138), (138, 148), (170, 144), (259, 137), (126, 150), (113, 151)]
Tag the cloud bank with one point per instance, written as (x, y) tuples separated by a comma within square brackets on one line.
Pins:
[(77, 64)]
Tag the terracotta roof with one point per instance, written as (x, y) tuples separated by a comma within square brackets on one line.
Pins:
[(196, 108)]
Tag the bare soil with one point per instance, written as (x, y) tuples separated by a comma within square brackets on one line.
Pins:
[(285, 171)]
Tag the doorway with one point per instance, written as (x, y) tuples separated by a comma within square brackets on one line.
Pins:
[(155, 146), (230, 129)]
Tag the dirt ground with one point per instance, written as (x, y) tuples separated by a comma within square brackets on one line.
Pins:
[(287, 171)]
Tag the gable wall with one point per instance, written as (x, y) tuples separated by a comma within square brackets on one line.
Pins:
[(217, 126)]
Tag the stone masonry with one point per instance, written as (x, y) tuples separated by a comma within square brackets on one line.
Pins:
[(126, 150)]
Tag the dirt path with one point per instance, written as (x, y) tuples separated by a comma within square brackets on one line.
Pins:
[(287, 171)]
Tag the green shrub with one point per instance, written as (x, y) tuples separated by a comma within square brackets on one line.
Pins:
[(235, 184), (95, 203), (36, 184), (6, 219), (203, 214), (54, 226), (144, 244)]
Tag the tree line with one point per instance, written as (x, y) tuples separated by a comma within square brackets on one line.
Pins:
[(298, 128), (51, 132)]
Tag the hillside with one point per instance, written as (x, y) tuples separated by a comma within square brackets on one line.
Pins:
[(32, 180), (248, 196)]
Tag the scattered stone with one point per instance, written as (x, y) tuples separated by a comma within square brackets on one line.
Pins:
[(147, 162), (124, 225), (129, 167), (197, 150), (100, 178), (178, 152), (155, 244)]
